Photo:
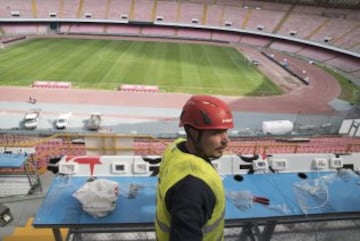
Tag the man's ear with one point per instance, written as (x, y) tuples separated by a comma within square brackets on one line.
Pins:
[(193, 133)]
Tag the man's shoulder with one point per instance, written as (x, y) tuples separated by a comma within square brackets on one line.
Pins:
[(192, 185)]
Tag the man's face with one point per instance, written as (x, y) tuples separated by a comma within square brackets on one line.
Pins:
[(214, 143)]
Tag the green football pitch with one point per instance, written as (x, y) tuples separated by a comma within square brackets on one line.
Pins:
[(106, 64)]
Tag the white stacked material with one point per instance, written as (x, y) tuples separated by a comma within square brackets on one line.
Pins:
[(277, 127)]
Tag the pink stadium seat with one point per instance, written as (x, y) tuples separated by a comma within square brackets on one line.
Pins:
[(70, 9), (303, 25), (94, 9), (45, 8), (167, 10), (235, 16), (117, 9), (123, 29), (16, 8), (189, 12), (263, 18), (213, 16), (143, 11)]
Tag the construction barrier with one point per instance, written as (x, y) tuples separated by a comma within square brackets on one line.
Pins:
[(139, 88), (51, 84)]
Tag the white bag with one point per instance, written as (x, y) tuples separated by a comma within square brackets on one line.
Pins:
[(99, 197)]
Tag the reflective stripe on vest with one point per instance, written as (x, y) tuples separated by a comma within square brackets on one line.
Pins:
[(165, 228), (210, 228)]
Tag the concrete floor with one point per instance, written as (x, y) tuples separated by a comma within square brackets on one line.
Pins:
[(128, 120)]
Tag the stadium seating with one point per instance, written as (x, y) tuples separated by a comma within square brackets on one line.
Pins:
[(142, 11), (167, 10), (117, 9), (190, 13), (333, 27), (264, 20), (93, 9), (307, 22), (56, 147), (69, 9), (16, 8), (46, 9), (235, 15)]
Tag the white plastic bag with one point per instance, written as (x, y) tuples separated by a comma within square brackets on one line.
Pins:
[(99, 197)]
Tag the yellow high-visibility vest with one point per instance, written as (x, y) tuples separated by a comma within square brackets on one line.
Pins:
[(176, 165)]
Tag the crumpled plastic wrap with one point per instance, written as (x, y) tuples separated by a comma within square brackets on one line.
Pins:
[(314, 193), (99, 197), (241, 199), (244, 199)]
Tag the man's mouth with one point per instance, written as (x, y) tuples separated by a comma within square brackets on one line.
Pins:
[(221, 149)]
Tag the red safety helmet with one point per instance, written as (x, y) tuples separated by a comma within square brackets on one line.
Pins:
[(206, 113)]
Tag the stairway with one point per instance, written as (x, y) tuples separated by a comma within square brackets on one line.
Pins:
[(30, 233)]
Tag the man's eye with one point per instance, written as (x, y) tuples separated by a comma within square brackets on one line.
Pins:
[(219, 132)]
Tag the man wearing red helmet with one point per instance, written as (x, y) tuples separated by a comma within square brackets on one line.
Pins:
[(190, 194)]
